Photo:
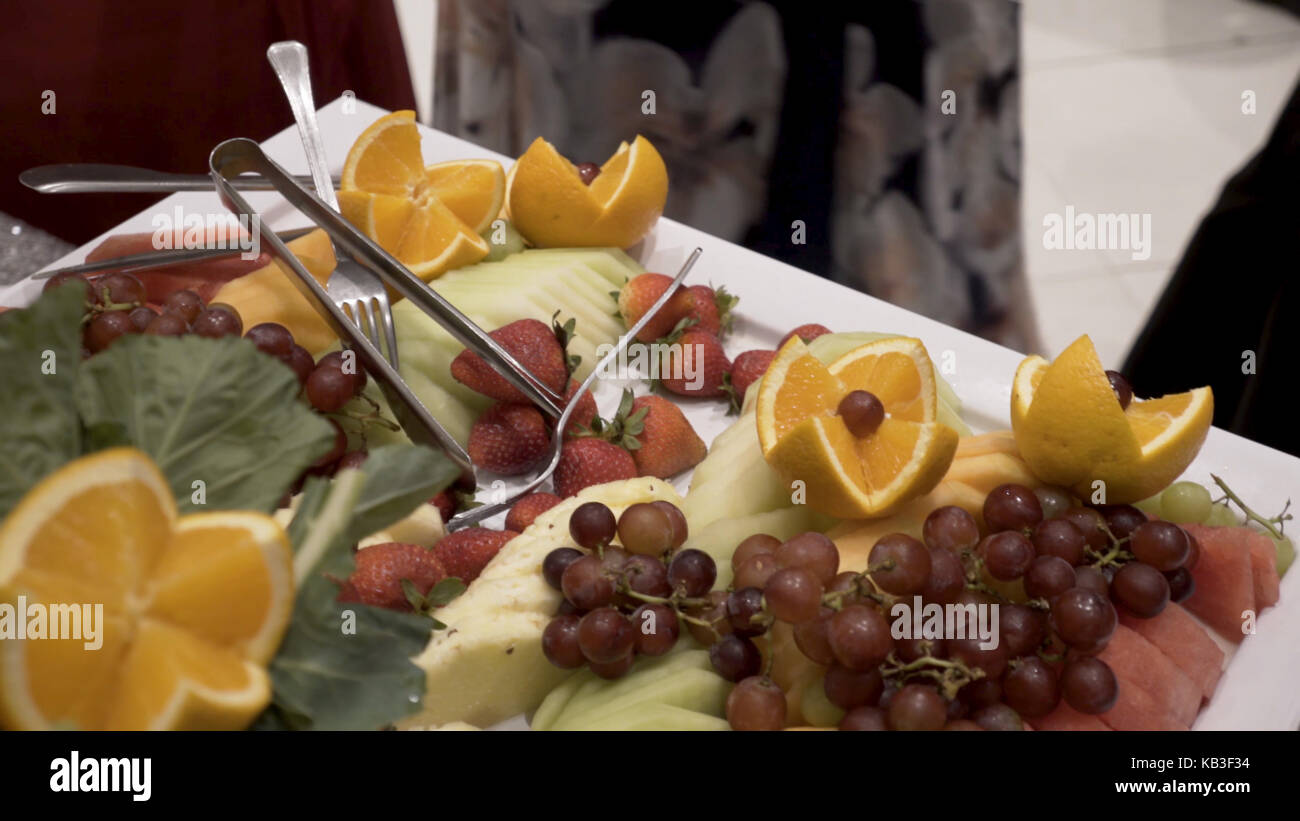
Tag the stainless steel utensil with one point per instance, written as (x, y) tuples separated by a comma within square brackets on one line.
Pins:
[(393, 273), (239, 156), (160, 259), (475, 515), (356, 290), (82, 178)]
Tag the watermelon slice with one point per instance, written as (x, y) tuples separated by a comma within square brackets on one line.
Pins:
[(1184, 641), (1136, 710), (1263, 558), (1065, 717), (1141, 662), (1225, 579)]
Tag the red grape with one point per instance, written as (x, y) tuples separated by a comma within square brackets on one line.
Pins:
[(1011, 507), (299, 360), (862, 413), (1053, 500), (1163, 545), (614, 669), (1089, 522), (217, 321), (646, 575), (813, 552), (1030, 687), (755, 571), (692, 571), (1089, 685), (185, 303), (756, 703), (865, 719), (900, 564), (714, 615), (1007, 555), (1141, 589), (757, 545), (947, 577), (585, 584), (328, 388), (1123, 390), (1082, 618), (950, 528), (1048, 576), (271, 338), (560, 642), (735, 658), (656, 629), (1122, 519), (142, 316), (998, 718), (1181, 584), (166, 325), (1090, 578), (122, 288), (793, 595), (859, 637), (556, 562), (592, 525), (605, 635), (1059, 537), (1021, 629), (645, 529), (811, 639), (680, 529), (745, 612), (848, 689), (917, 707), (105, 328)]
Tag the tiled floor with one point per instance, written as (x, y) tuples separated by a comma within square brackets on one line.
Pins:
[(1130, 106), (1135, 106)]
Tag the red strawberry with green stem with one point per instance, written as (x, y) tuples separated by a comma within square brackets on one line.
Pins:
[(656, 433), (583, 414), (807, 333), (533, 344), (694, 364), (381, 569), (703, 308)]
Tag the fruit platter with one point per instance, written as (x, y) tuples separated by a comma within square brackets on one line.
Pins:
[(783, 505)]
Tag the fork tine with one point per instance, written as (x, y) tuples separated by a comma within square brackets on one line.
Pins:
[(386, 314)]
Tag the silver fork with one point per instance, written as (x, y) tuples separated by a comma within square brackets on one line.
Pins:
[(357, 291)]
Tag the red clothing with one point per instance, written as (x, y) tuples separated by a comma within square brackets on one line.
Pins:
[(157, 84)]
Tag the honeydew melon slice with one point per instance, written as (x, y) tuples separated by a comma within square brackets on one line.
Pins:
[(659, 717), (699, 691), (594, 694)]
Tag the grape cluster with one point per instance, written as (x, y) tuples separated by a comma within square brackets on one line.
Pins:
[(116, 306), (623, 601), (1057, 570)]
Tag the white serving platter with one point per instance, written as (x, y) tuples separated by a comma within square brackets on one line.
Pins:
[(1258, 690)]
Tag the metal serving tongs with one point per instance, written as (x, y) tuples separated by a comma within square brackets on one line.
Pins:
[(233, 157), (240, 156)]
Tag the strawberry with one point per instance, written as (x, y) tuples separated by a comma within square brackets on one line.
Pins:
[(527, 509), (380, 569), (694, 365), (588, 461), (533, 344), (807, 333), (508, 438), (667, 444), (703, 308), (636, 298), (466, 552), (584, 413), (748, 368), (445, 503)]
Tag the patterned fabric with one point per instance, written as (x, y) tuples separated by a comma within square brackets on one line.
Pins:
[(916, 107)]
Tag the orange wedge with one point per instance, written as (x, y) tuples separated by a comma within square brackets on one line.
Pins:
[(804, 438), (178, 614), (1072, 432), (429, 217), (552, 207)]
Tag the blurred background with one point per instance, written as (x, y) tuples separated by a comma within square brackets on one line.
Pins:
[(1143, 107)]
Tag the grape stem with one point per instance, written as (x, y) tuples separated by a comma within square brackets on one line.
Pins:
[(951, 674), (1275, 525), (1115, 556)]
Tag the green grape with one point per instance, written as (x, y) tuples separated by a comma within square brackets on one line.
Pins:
[(1150, 506), (1185, 503), (511, 241), (817, 709), (1222, 516), (1285, 553)]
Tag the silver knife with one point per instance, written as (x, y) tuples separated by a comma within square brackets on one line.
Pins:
[(77, 178), (160, 259)]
